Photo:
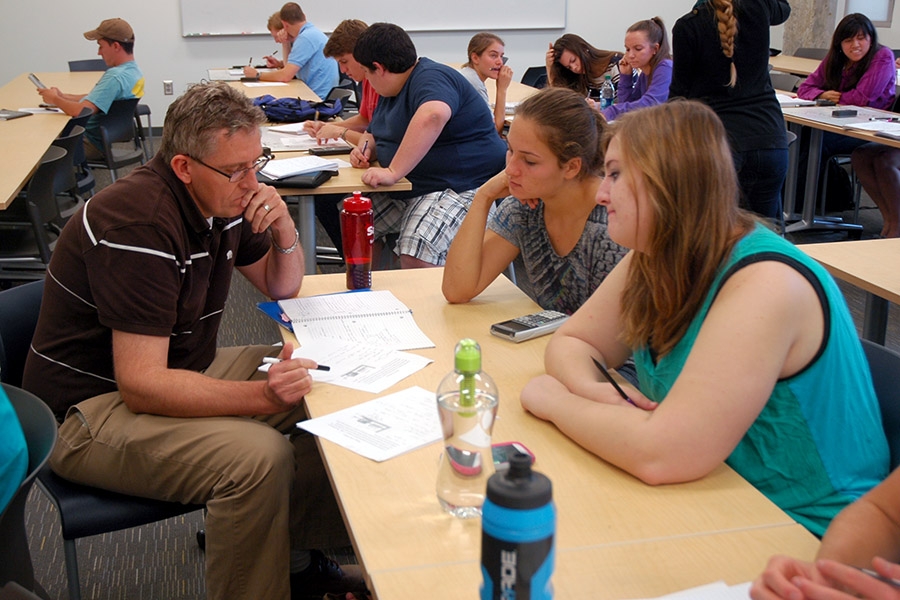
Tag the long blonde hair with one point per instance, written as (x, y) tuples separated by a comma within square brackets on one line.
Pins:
[(727, 26), (680, 151)]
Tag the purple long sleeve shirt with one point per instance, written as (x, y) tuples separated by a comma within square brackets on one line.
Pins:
[(634, 94), (875, 88)]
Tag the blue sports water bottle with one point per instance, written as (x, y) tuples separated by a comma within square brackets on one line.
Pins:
[(517, 534)]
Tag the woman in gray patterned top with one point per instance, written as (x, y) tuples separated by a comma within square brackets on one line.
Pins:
[(548, 218)]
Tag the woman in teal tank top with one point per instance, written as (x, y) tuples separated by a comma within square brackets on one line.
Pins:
[(745, 349)]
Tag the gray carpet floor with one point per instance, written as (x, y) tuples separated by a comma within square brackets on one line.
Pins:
[(162, 560)]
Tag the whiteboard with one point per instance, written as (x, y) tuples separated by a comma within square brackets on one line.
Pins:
[(240, 17)]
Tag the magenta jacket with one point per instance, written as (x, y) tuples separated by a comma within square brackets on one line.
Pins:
[(874, 89)]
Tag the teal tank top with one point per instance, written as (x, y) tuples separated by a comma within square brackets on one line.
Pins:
[(818, 444)]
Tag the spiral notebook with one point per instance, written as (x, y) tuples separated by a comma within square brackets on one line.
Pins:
[(368, 317)]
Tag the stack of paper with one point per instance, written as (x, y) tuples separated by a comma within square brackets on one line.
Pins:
[(288, 167), (785, 100), (292, 137)]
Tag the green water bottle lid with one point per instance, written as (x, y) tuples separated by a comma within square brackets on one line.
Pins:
[(468, 356)]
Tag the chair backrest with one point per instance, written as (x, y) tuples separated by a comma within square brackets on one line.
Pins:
[(884, 364), (19, 310), (535, 77), (815, 53), (338, 93), (783, 81), (39, 426), (90, 64), (117, 125), (40, 200), (65, 178)]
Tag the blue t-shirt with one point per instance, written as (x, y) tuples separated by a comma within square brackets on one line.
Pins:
[(556, 282), (468, 150), (818, 443), (13, 452), (118, 83), (317, 71)]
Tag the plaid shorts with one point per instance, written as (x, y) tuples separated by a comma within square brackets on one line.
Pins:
[(426, 224)]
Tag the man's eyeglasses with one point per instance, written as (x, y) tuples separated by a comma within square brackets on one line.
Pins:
[(256, 167)]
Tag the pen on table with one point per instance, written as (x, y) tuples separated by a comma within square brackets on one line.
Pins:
[(894, 583), (613, 382), (271, 360), (888, 119)]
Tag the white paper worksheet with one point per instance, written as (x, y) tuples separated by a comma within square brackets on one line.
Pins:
[(385, 427)]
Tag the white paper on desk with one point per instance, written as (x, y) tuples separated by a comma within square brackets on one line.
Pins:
[(785, 100), (373, 318), (287, 167), (382, 428), (293, 138), (877, 126), (711, 591), (359, 367), (41, 111), (254, 84)]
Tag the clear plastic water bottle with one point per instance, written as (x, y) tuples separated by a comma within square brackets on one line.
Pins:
[(357, 235), (467, 404), (517, 534), (607, 92)]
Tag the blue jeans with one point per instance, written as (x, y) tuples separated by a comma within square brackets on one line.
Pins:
[(761, 176)]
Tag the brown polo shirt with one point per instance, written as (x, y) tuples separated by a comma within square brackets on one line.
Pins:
[(139, 257)]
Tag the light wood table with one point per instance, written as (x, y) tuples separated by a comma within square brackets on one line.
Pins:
[(404, 540), (793, 64), (810, 116), (294, 89), (874, 266), (23, 141)]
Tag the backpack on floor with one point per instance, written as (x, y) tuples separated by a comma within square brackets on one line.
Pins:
[(293, 110)]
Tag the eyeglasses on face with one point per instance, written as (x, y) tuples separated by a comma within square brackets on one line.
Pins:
[(236, 176)]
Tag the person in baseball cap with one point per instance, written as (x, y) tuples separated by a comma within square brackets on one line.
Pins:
[(121, 80)]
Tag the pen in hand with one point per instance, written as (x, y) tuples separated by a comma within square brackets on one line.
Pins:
[(365, 147), (613, 382), (250, 62), (272, 360)]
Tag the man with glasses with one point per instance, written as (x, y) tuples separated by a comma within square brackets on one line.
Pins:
[(121, 80), (125, 353)]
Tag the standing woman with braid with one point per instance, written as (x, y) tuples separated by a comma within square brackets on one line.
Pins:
[(721, 56)]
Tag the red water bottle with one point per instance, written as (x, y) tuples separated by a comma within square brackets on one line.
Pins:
[(358, 233)]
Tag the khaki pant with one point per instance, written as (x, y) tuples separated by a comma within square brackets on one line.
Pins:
[(265, 493)]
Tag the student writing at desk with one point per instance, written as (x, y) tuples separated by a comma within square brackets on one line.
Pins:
[(276, 29), (430, 127), (575, 64), (125, 347), (340, 47), (305, 61), (122, 79), (744, 347)]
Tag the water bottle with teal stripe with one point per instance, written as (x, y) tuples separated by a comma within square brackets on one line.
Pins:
[(518, 523)]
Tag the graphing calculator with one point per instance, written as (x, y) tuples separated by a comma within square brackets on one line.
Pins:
[(529, 326)]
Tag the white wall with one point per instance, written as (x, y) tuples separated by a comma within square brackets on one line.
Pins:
[(40, 37)]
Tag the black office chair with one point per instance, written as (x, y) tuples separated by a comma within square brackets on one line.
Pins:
[(814, 53), (28, 228), (884, 364), (536, 77), (65, 187), (83, 511), (141, 111), (39, 427), (117, 125)]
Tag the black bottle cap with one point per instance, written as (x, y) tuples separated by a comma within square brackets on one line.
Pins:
[(519, 487)]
